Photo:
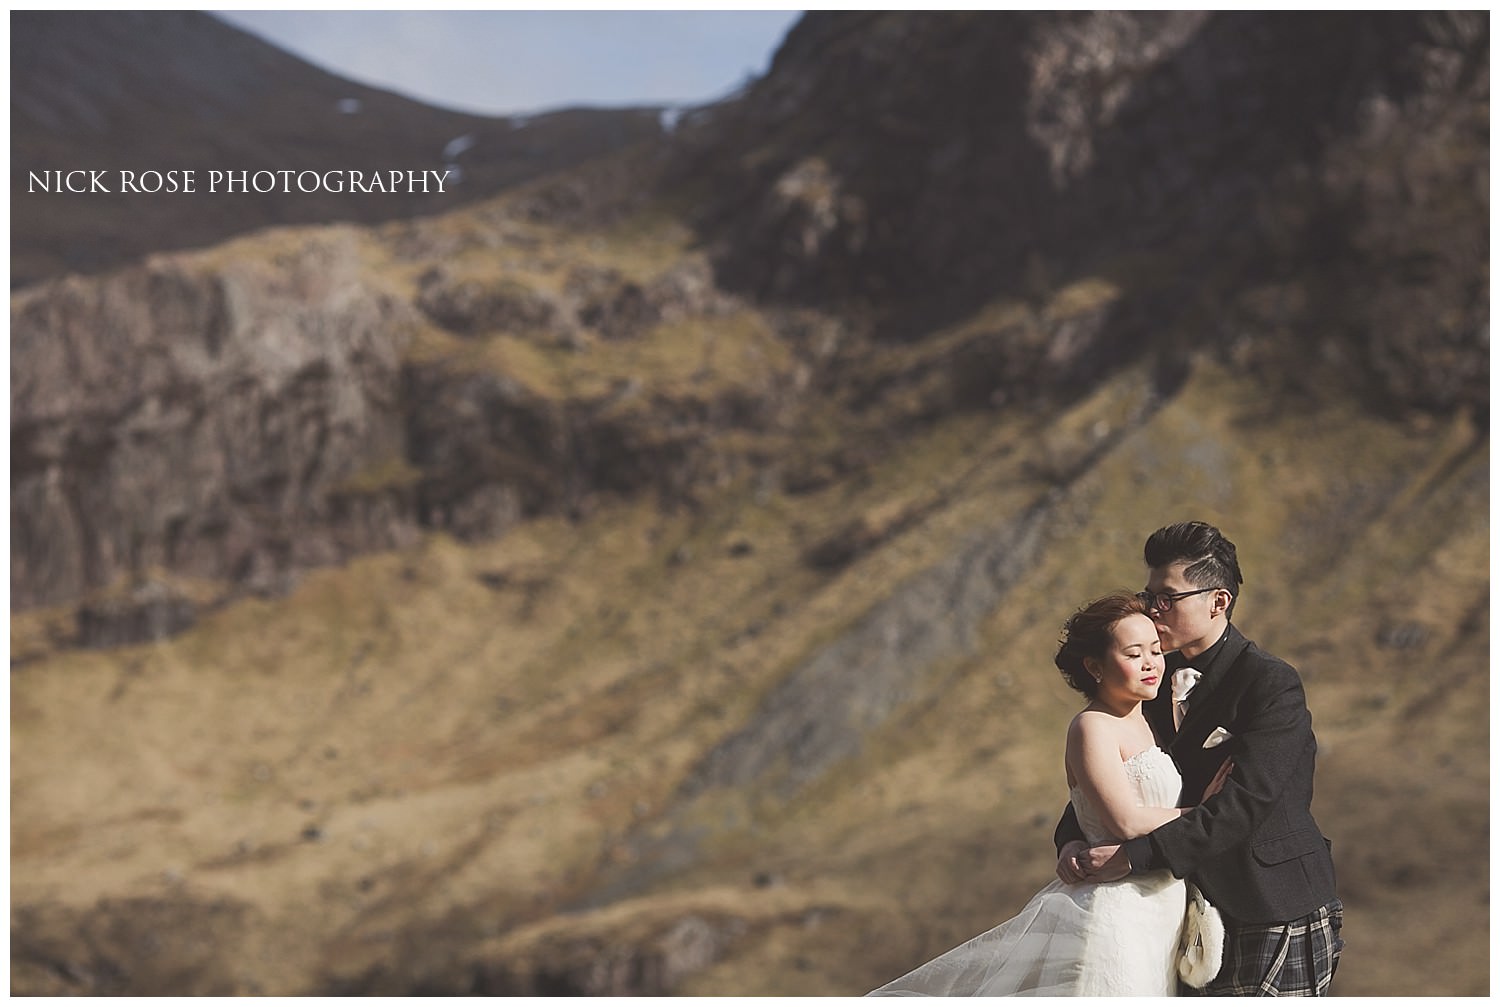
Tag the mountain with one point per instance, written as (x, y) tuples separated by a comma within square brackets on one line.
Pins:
[(1230, 173), (181, 90), (644, 581)]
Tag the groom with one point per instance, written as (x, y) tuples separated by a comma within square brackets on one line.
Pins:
[(1253, 848)]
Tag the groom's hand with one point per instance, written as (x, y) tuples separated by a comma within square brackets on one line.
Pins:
[(1067, 862), (1104, 863)]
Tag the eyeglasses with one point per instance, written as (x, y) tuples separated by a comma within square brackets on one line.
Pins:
[(1164, 602)]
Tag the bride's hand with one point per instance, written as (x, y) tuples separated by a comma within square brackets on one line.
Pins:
[(1217, 783), (1067, 862)]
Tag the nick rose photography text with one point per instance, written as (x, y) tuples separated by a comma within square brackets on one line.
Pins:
[(191, 180)]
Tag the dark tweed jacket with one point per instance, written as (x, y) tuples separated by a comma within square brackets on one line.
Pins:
[(1253, 848)]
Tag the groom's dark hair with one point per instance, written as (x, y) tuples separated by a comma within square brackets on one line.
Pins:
[(1210, 557)]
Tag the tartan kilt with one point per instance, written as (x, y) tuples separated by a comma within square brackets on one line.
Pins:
[(1291, 959)]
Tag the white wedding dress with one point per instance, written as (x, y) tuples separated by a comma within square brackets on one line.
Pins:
[(1118, 938)]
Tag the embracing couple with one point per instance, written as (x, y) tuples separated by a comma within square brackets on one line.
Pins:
[(1188, 858)]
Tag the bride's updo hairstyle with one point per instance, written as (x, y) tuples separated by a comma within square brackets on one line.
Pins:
[(1089, 633)]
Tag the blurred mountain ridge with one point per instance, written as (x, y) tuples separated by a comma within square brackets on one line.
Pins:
[(644, 581), (174, 90)]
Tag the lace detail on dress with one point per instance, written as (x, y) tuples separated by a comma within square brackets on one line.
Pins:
[(1138, 766)]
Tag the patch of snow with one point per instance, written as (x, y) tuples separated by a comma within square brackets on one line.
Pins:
[(457, 146), (669, 119)]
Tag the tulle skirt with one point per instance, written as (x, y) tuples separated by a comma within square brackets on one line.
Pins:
[(1118, 938)]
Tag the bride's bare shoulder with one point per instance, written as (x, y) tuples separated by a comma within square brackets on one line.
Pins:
[(1097, 730), (1092, 721)]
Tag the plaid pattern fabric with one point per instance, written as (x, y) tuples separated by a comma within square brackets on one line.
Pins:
[(1280, 960)]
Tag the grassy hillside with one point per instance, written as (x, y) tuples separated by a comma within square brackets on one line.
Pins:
[(397, 777)]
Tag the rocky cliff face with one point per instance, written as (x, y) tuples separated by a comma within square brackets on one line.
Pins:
[(1246, 178), (204, 421), (202, 425)]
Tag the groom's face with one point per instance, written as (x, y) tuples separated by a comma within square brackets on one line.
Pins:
[(1187, 625)]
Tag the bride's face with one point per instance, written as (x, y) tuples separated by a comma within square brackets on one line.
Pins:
[(1131, 670)]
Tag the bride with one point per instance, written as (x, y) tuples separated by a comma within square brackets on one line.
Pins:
[(1116, 938)]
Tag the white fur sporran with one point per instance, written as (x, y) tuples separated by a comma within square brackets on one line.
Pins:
[(1202, 947)]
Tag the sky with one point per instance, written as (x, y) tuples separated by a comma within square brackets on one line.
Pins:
[(516, 62)]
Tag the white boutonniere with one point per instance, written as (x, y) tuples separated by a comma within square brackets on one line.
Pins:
[(1217, 738), (1183, 680)]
